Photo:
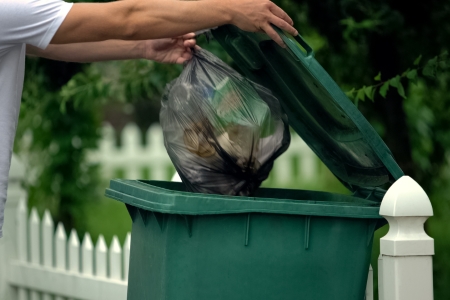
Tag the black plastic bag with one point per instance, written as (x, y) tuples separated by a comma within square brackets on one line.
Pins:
[(221, 130)]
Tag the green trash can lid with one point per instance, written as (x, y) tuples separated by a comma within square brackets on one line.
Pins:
[(318, 110)]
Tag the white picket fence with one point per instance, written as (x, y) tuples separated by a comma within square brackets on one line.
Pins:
[(298, 166), (133, 160), (38, 262), (50, 264)]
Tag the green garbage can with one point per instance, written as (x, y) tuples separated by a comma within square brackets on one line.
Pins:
[(280, 244)]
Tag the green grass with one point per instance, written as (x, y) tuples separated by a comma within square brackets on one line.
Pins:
[(107, 217)]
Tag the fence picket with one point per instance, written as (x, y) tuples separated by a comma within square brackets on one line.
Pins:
[(73, 251), (133, 160), (160, 159), (46, 296), (126, 256), (115, 259), (22, 243), (33, 229), (60, 247), (131, 137), (21, 219), (35, 247), (47, 228), (22, 294), (47, 239), (107, 143), (101, 257), (60, 250), (87, 256)]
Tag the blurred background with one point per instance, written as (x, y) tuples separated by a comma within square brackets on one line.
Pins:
[(83, 124)]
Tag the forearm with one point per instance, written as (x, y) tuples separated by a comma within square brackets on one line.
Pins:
[(139, 20), (168, 18), (90, 52)]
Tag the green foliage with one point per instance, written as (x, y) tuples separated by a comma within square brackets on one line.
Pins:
[(62, 179), (378, 77), (417, 60), (430, 70), (384, 89), (353, 40)]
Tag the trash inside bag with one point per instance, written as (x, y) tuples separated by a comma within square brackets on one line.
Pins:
[(221, 130)]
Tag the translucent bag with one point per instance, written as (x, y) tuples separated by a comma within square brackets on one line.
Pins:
[(221, 130)]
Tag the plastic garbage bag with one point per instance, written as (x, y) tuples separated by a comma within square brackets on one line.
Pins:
[(221, 130)]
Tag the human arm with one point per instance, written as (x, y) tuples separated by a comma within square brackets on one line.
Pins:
[(176, 50), (153, 19)]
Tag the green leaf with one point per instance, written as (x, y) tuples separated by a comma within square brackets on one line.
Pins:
[(412, 76), (368, 92), (374, 90), (378, 77), (430, 67), (360, 94), (406, 72), (350, 93), (433, 61), (401, 90), (395, 81), (384, 89), (417, 60)]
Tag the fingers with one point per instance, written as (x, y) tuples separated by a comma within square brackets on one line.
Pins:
[(187, 55), (189, 43), (277, 11), (188, 36), (273, 35), (184, 57), (283, 25)]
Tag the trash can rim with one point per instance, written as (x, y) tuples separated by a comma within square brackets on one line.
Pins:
[(148, 196)]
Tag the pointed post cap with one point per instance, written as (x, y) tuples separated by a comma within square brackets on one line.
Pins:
[(406, 198), (17, 170)]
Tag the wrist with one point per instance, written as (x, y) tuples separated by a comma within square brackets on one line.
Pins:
[(223, 8), (140, 50), (226, 10)]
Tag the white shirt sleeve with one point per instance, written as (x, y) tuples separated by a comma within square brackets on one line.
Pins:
[(33, 22)]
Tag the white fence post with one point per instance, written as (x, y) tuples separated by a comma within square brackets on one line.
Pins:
[(13, 236), (406, 251)]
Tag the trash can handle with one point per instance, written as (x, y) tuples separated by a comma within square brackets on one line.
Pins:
[(288, 41)]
